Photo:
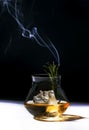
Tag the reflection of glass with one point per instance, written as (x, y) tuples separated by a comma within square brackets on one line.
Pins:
[(46, 100)]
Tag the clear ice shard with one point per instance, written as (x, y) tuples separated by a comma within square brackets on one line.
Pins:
[(47, 97)]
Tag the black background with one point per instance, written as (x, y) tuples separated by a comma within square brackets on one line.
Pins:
[(66, 23)]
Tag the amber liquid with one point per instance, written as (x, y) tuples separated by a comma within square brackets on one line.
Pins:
[(46, 110)]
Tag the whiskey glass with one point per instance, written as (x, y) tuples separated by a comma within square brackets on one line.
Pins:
[(46, 100)]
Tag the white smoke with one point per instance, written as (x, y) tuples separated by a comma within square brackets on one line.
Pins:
[(14, 9)]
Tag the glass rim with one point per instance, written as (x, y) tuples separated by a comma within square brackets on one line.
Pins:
[(43, 76)]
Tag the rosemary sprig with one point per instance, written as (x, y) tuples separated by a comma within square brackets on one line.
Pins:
[(51, 70)]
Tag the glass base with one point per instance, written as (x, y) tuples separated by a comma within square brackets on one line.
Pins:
[(64, 117)]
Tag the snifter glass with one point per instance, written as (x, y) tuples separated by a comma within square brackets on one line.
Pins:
[(46, 100)]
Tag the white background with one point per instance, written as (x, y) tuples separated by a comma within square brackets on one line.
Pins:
[(14, 116)]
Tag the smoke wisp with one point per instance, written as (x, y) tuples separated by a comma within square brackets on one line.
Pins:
[(14, 8)]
